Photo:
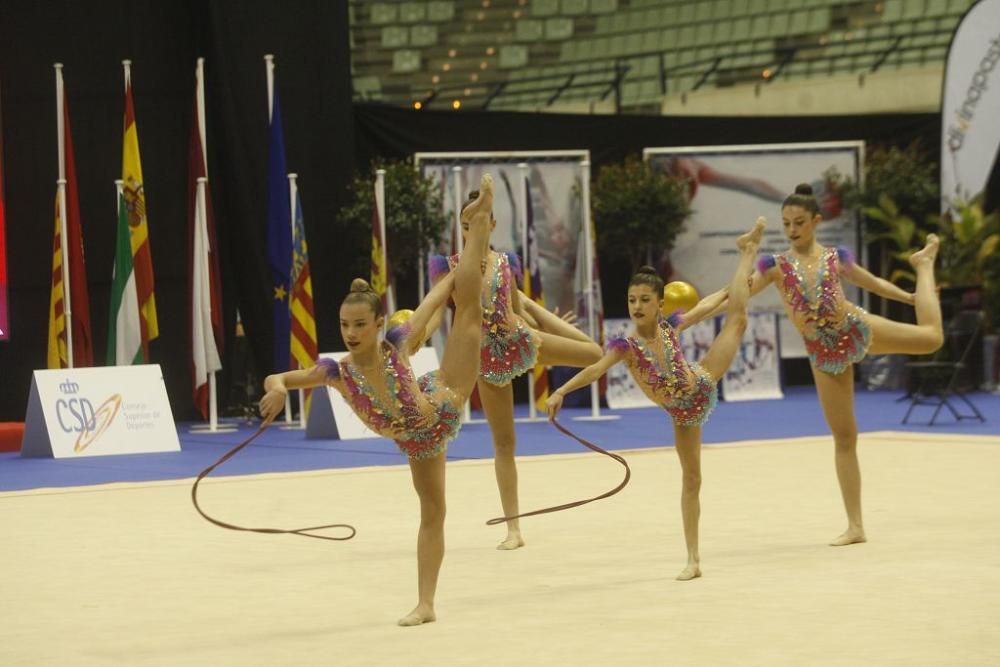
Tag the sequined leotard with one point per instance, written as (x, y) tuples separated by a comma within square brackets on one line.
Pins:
[(683, 389), (509, 346), (421, 414), (834, 329)]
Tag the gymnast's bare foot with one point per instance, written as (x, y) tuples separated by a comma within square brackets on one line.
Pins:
[(692, 571), (511, 542), (751, 239), (928, 253), (481, 209), (420, 615), (850, 536)]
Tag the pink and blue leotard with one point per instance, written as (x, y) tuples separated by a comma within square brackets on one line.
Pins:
[(509, 346), (685, 390), (421, 414), (834, 329)]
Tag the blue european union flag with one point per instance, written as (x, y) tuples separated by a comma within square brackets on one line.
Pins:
[(279, 237)]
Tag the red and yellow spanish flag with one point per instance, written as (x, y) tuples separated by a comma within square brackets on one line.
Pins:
[(57, 356), (135, 199), (79, 302)]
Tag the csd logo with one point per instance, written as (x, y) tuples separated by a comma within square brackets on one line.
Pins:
[(75, 414), (69, 387), (99, 422)]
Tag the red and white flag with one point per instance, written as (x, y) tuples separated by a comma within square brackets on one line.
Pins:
[(205, 286)]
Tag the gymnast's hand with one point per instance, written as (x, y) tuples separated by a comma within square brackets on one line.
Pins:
[(273, 401), (553, 404), (569, 317)]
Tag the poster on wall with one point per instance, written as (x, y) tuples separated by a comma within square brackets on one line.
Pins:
[(623, 391), (755, 372), (970, 106), (729, 186)]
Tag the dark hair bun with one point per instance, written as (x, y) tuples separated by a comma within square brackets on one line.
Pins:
[(803, 189), (647, 269), (360, 285)]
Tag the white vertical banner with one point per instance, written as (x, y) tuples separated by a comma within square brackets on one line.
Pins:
[(755, 372), (558, 207), (970, 105)]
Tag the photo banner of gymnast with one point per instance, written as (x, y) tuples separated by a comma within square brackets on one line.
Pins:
[(970, 106), (729, 186), (546, 187)]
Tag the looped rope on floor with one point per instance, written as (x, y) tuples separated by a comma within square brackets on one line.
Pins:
[(575, 503), (303, 532)]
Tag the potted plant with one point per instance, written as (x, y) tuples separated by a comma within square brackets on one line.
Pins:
[(414, 219), (638, 211)]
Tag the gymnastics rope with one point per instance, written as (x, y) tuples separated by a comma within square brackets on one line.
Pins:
[(575, 503), (303, 532)]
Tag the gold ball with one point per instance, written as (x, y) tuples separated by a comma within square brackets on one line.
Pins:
[(678, 295), (399, 317)]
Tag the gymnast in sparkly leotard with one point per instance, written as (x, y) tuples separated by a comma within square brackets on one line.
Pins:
[(838, 334), (420, 414), (517, 334), (686, 391)]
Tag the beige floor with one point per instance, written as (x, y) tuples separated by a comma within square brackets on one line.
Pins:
[(130, 575)]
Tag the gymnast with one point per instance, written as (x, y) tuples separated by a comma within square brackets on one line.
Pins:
[(687, 391), (421, 414), (517, 335), (838, 333)]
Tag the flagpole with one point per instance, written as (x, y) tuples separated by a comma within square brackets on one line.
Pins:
[(523, 215), (63, 230), (201, 201), (269, 68), (588, 252), (293, 190)]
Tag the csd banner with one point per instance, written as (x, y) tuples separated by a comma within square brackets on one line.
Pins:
[(74, 412), (970, 105)]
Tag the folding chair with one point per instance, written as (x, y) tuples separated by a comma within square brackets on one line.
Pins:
[(940, 379)]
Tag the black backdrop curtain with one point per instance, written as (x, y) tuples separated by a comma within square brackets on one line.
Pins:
[(309, 39), (326, 140)]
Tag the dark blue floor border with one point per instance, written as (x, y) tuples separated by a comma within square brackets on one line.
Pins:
[(278, 450)]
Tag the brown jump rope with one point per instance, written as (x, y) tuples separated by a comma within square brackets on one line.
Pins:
[(308, 532), (575, 503), (303, 532)]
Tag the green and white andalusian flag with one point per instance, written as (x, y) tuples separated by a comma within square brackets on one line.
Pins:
[(124, 330)]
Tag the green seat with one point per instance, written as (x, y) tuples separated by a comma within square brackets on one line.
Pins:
[(412, 12), (440, 10), (423, 35), (558, 28), (540, 8), (394, 36)]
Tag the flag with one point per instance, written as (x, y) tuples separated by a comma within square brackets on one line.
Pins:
[(279, 237), (304, 348), (206, 298), (57, 355), (125, 323), (135, 199), (83, 350), (380, 261), (533, 288)]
